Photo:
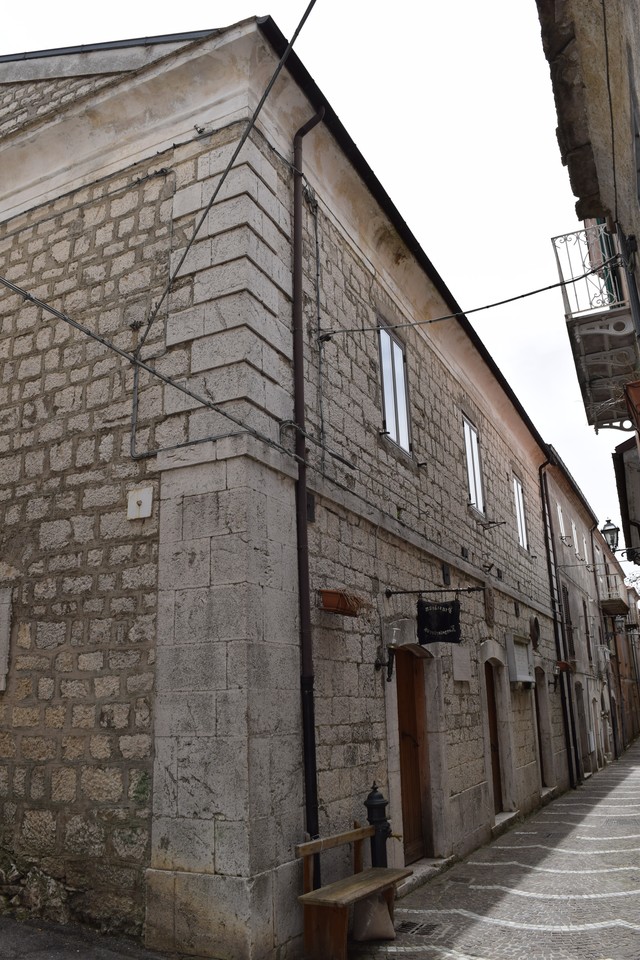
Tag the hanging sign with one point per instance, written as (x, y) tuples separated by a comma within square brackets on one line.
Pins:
[(438, 622)]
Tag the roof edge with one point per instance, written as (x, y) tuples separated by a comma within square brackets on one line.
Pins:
[(556, 461), (111, 45)]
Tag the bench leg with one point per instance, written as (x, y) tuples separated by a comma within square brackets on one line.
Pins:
[(390, 897), (325, 932)]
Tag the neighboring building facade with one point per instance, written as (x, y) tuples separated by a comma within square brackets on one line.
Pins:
[(282, 421), (592, 49)]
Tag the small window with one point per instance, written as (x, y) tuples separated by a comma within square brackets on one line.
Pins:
[(568, 624), (395, 406), (587, 629), (585, 556), (521, 519), (474, 475), (574, 536), (563, 535)]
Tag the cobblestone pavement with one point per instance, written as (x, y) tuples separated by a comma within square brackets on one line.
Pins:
[(563, 885)]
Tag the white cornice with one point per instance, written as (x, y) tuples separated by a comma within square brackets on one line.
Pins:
[(84, 63), (143, 114)]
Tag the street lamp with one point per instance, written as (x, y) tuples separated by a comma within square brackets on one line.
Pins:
[(610, 533)]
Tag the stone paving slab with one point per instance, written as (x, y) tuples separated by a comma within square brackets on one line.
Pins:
[(563, 885)]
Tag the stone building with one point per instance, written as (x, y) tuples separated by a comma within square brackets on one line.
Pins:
[(238, 446)]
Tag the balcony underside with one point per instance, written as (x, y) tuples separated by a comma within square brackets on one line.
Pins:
[(614, 607), (606, 356)]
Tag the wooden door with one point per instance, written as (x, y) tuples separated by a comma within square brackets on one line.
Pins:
[(410, 687), (493, 738)]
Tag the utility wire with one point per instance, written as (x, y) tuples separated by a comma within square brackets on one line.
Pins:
[(141, 365), (226, 172), (327, 334), (137, 362)]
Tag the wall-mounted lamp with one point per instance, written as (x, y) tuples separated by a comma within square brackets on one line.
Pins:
[(611, 533), (388, 663)]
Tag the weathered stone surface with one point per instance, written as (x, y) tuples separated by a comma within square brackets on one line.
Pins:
[(38, 833), (102, 784)]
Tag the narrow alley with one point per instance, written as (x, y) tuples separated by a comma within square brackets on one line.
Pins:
[(565, 884)]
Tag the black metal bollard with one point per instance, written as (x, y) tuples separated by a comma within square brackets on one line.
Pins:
[(377, 817)]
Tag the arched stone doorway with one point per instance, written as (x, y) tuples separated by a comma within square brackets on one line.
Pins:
[(496, 697)]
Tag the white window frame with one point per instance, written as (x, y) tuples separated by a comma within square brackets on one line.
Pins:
[(574, 534), (521, 516), (395, 394), (563, 534), (474, 465)]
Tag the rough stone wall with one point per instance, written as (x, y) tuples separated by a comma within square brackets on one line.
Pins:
[(76, 747), (102, 255), (431, 499), (401, 518), (21, 103), (227, 728)]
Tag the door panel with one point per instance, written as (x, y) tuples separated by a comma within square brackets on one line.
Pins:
[(493, 738), (409, 682)]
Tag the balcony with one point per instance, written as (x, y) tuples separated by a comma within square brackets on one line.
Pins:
[(599, 322), (613, 596)]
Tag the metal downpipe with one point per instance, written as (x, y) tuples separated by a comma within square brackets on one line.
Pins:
[(304, 590), (567, 714)]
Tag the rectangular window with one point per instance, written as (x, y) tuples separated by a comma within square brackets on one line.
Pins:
[(587, 629), (561, 522), (474, 475), (574, 537), (520, 514), (395, 405), (568, 625)]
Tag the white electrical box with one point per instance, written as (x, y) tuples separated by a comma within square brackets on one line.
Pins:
[(139, 503)]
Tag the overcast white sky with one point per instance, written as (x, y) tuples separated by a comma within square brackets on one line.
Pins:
[(451, 105)]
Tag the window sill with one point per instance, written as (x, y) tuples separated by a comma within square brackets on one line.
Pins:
[(392, 447)]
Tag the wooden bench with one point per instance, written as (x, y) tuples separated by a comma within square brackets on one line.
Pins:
[(326, 910)]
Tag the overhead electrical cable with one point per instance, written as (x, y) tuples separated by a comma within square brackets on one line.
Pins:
[(327, 334), (142, 365), (241, 143)]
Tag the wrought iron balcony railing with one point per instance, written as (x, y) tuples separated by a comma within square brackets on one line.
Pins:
[(588, 263), (613, 596), (599, 322)]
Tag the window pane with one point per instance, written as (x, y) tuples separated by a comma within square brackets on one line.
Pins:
[(520, 514), (394, 390), (473, 465), (387, 385), (401, 396)]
